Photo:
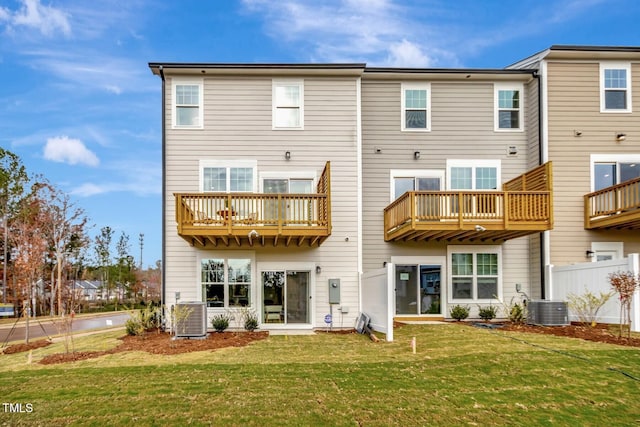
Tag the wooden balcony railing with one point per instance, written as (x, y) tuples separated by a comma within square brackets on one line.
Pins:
[(492, 216), (615, 207), (249, 218)]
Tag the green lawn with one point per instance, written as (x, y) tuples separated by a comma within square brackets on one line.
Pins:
[(459, 376)]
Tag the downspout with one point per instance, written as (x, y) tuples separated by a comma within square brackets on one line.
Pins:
[(543, 253), (164, 191)]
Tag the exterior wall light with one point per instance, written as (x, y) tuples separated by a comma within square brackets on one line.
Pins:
[(416, 155), (287, 155), (621, 137)]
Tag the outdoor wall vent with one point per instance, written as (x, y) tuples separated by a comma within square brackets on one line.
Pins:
[(194, 324)]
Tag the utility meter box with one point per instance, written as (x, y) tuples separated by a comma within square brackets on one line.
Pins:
[(334, 291)]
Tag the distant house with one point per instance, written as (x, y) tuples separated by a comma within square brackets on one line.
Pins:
[(87, 290), (284, 183)]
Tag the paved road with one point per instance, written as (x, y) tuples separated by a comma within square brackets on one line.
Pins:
[(41, 327)]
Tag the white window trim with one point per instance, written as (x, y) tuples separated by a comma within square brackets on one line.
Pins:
[(473, 163), (473, 249), (278, 82), (417, 86), (609, 158), (289, 266), (616, 66), (497, 87), (226, 255), (413, 173), (174, 116), (617, 247), (216, 163)]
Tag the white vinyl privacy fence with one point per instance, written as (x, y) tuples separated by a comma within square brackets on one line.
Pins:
[(594, 277), (377, 299)]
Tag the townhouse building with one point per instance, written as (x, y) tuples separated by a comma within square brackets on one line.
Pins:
[(444, 157), (284, 183), (260, 190), (590, 123)]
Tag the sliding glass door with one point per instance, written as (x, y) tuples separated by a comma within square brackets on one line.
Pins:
[(285, 297), (418, 289)]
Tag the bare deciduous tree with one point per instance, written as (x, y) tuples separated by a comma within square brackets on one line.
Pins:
[(625, 284), (29, 247), (65, 231)]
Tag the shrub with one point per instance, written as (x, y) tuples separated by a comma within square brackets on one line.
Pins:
[(220, 322), (586, 306), (517, 313), (133, 326), (250, 320), (488, 313), (150, 317), (459, 312), (143, 320)]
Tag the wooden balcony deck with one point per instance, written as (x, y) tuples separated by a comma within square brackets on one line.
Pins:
[(525, 207), (616, 207), (248, 219)]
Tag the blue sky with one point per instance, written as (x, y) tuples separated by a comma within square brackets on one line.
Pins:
[(79, 105)]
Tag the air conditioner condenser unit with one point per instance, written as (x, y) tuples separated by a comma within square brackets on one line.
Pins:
[(547, 313), (190, 320)]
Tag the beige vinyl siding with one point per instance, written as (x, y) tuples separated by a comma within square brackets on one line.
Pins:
[(462, 127), (532, 120), (238, 125), (574, 104)]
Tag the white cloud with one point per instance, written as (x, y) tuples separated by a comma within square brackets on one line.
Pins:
[(89, 189), (5, 14), (407, 54), (378, 32), (434, 33), (94, 69), (34, 15), (140, 177), (63, 149)]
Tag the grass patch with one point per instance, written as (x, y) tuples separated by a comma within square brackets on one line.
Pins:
[(458, 376)]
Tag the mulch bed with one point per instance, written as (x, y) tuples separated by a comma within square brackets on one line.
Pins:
[(154, 342), (19, 348), (600, 333)]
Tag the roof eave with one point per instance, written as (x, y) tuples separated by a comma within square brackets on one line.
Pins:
[(170, 68)]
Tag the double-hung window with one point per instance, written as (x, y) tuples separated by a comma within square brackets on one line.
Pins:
[(475, 273), (478, 175), (473, 174), (615, 87), (228, 176), (187, 105), (288, 104), (508, 107), (226, 282), (416, 115)]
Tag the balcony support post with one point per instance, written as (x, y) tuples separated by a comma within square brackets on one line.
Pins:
[(460, 208), (506, 208)]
